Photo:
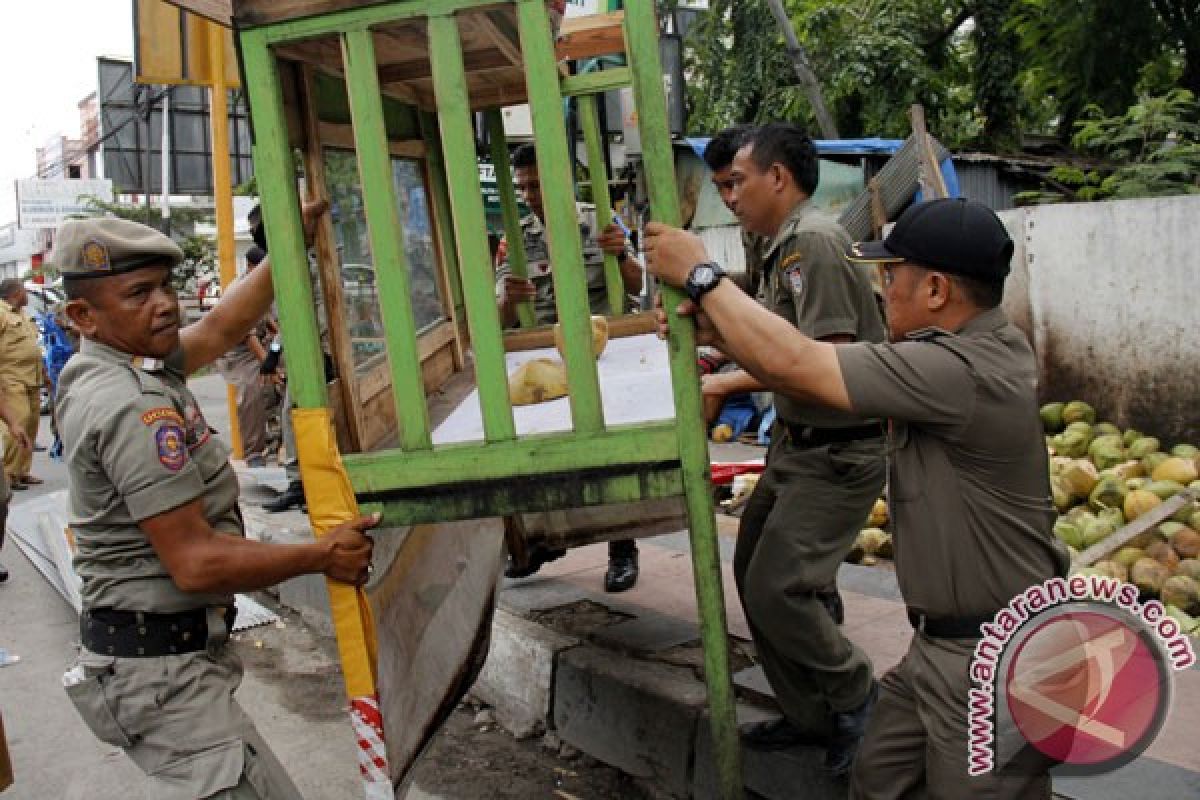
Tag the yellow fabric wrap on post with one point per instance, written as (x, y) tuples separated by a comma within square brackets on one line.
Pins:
[(331, 502)]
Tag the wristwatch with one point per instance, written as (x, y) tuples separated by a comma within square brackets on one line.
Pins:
[(703, 278)]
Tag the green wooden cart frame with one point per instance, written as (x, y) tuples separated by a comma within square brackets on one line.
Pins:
[(595, 463)]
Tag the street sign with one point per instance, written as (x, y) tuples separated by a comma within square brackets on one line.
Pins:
[(45, 203)]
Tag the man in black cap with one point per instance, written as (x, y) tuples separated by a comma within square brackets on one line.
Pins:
[(969, 484)]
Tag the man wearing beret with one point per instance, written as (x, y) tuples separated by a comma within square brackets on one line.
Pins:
[(154, 509), (968, 484)]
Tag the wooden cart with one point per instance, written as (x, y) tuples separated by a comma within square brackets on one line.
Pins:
[(389, 91)]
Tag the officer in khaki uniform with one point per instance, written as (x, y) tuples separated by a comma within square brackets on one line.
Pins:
[(153, 503), (22, 441), (969, 484), (22, 374), (511, 291), (824, 468)]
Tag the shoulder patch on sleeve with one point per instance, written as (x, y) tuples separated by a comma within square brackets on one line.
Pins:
[(791, 260), (162, 413), (172, 452)]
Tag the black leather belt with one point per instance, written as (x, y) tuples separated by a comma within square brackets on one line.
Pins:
[(141, 634), (805, 436), (948, 627)]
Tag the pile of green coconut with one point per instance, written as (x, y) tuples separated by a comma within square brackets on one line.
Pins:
[(1102, 478)]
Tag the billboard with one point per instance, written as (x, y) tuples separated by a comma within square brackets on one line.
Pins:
[(46, 203), (131, 124)]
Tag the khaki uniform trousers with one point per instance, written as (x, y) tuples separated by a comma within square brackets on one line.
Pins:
[(254, 403), (25, 404), (916, 741), (176, 718), (797, 528)]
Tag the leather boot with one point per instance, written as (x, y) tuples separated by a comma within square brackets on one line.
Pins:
[(292, 497), (848, 730), (622, 573)]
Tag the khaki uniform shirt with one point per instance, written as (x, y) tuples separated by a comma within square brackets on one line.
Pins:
[(21, 365), (969, 484), (537, 256), (137, 445), (808, 281)]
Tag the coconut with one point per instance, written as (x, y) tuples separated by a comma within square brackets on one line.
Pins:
[(1060, 494), (1130, 436), (1189, 567), (537, 381), (1149, 576), (1073, 444), (1138, 502), (1164, 554), (1079, 478), (1186, 542), (1128, 556), (1107, 429), (1182, 592), (1069, 533), (1097, 530), (1164, 489), (1179, 470), (1052, 417), (1135, 483), (1143, 447), (1152, 460), (1128, 469), (1194, 520), (1108, 493), (1078, 411), (1113, 569), (871, 540), (1185, 512), (599, 336), (1106, 455), (1187, 623), (879, 515), (1185, 451)]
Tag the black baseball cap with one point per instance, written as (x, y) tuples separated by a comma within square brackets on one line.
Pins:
[(953, 235)]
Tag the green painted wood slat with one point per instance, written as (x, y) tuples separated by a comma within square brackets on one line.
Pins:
[(362, 18), (562, 221), (641, 40), (281, 218), (470, 225), (387, 239), (594, 141), (605, 80), (440, 202), (517, 260)]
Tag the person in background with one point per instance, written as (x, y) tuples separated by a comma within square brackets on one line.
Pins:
[(22, 375), (21, 441), (240, 367)]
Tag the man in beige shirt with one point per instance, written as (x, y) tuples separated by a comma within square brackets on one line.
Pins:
[(22, 374)]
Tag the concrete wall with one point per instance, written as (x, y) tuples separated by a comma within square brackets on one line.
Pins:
[(1108, 294)]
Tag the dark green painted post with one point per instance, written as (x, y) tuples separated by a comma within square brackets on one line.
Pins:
[(470, 226), (593, 137), (641, 39), (387, 238), (440, 202), (517, 260), (562, 222), (281, 218)]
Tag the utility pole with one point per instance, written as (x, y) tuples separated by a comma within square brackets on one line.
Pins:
[(804, 72)]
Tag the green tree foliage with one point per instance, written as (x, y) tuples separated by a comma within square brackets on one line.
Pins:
[(995, 74), (1151, 150)]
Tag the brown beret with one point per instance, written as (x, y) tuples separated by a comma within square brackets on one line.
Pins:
[(101, 246)]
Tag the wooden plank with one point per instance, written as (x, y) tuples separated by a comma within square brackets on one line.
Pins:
[(542, 454), (504, 40), (443, 246), (335, 135), (606, 80), (562, 222), (329, 264), (933, 183), (457, 130), (219, 11), (281, 218), (1146, 522), (618, 328), (387, 238), (513, 235), (289, 20), (596, 144), (419, 69), (641, 32), (591, 35)]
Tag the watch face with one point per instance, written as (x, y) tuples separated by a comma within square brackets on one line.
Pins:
[(702, 275)]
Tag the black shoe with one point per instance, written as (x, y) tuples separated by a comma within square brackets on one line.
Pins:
[(777, 734), (3, 573), (848, 730), (537, 558), (833, 604), (622, 573), (292, 496)]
